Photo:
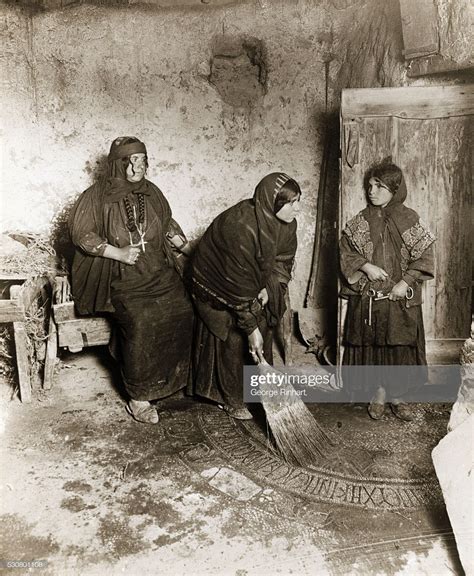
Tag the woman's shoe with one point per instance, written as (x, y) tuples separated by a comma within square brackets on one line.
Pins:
[(376, 410), (142, 411), (403, 411), (237, 413), (376, 407)]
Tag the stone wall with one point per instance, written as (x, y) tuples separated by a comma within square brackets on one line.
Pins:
[(221, 96)]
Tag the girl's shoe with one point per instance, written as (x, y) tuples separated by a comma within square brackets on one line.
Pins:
[(376, 407), (403, 411)]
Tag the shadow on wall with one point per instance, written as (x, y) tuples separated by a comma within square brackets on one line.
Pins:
[(59, 235), (98, 169), (322, 290), (59, 232)]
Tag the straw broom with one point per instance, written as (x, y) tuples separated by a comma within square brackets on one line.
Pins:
[(297, 435)]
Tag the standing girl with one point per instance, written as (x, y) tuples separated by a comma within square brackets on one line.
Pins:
[(386, 252)]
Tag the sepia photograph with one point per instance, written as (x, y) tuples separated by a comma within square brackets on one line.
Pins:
[(236, 272)]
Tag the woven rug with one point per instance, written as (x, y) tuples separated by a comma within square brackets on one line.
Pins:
[(377, 465)]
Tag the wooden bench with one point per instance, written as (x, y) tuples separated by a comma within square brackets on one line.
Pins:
[(68, 329), (77, 332)]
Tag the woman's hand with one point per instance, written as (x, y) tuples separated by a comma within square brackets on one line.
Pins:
[(399, 291), (374, 273), (127, 254), (181, 244), (256, 346), (263, 297), (130, 254)]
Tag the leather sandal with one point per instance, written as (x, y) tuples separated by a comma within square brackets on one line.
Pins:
[(376, 410), (403, 411), (145, 414)]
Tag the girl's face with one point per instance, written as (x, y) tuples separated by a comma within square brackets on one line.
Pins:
[(136, 167), (378, 193), (288, 211)]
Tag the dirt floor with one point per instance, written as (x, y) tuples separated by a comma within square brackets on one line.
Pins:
[(86, 490)]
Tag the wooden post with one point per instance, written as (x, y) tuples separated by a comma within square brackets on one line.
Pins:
[(51, 353), (22, 361)]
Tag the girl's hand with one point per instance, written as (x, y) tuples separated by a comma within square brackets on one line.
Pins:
[(399, 291), (256, 346), (263, 297), (374, 273)]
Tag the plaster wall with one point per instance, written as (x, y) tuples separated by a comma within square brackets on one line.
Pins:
[(76, 78)]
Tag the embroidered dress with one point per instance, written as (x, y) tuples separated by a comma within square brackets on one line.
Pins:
[(395, 239)]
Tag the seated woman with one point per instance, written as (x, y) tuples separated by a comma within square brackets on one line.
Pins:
[(240, 273), (385, 250), (125, 264)]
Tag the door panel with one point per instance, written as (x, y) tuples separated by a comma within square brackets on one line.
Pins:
[(435, 156)]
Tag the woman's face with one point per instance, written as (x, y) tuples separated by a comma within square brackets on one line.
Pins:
[(288, 211), (136, 167), (378, 193)]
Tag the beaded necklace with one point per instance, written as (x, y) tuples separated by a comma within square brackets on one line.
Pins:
[(134, 225)]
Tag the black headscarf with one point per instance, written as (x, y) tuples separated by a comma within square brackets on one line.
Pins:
[(116, 185), (247, 248)]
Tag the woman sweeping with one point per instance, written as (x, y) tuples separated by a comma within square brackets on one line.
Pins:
[(125, 264), (386, 253), (240, 273)]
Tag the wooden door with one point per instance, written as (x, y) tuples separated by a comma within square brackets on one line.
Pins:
[(428, 133)]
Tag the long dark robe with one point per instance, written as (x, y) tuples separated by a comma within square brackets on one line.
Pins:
[(394, 239), (244, 250), (151, 310)]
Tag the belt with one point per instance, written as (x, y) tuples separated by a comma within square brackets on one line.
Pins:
[(380, 295)]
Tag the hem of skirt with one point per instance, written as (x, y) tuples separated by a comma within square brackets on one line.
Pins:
[(231, 404), (218, 399), (152, 394)]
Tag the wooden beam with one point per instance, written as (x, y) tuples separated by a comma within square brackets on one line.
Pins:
[(11, 311), (21, 298), (51, 354), (435, 65), (413, 102), (75, 334), (14, 276), (22, 361)]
